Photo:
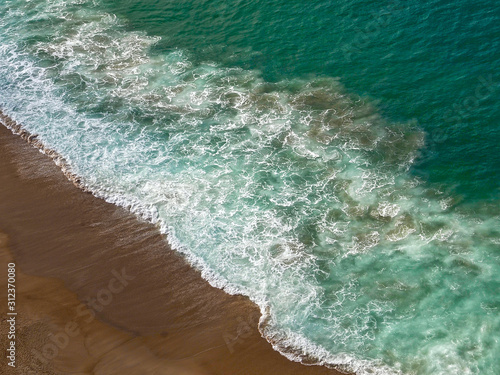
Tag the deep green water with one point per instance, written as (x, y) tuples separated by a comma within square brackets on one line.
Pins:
[(424, 61), (336, 161)]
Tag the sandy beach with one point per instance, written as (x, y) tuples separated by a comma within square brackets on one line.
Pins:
[(100, 292)]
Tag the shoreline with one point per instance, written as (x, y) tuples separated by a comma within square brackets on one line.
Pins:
[(138, 303)]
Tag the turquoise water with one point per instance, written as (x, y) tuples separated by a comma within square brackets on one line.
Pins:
[(337, 162)]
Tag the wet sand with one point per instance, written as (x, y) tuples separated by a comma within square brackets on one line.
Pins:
[(100, 292)]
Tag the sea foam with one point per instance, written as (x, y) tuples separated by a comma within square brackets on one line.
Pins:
[(295, 193)]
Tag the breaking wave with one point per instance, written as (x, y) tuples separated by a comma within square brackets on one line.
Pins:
[(294, 193)]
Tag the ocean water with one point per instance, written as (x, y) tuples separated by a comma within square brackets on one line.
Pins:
[(335, 161)]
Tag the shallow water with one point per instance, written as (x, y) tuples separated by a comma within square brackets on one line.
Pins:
[(333, 169)]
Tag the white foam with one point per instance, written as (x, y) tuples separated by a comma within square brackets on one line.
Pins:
[(269, 195)]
